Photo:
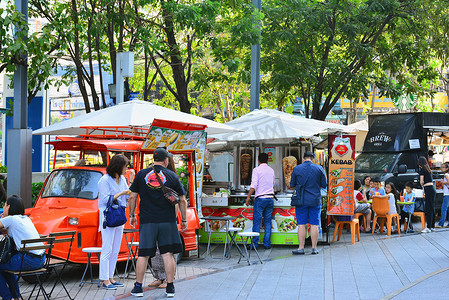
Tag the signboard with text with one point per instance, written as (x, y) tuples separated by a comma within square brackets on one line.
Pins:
[(341, 175)]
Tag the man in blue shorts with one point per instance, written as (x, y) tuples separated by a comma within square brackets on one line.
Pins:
[(157, 219), (312, 177)]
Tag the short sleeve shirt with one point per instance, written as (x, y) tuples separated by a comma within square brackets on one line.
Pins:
[(427, 176), (154, 208), (21, 228)]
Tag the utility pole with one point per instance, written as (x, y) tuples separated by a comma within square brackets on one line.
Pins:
[(255, 67), (19, 142)]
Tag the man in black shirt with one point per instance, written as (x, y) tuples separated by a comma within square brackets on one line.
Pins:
[(157, 218)]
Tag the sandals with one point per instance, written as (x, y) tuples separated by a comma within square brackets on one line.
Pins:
[(160, 283), (155, 283)]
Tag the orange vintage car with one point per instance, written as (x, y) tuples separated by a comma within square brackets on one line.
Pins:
[(69, 197)]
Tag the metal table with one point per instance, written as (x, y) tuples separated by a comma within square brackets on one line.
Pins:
[(208, 220)]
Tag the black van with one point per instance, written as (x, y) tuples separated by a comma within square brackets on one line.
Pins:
[(393, 144)]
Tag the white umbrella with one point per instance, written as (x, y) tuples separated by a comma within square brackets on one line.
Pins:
[(362, 131), (277, 126), (135, 113)]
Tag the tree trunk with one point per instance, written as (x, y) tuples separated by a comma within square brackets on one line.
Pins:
[(176, 62)]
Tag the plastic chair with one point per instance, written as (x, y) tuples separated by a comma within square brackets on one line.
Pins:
[(381, 207), (357, 216), (422, 217), (353, 226)]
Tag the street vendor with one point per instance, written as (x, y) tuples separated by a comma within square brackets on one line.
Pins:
[(262, 183)]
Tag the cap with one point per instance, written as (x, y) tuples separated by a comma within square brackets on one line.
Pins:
[(160, 154), (309, 154)]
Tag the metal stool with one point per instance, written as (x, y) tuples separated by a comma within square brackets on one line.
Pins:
[(129, 234), (89, 252), (131, 256), (232, 231), (249, 237)]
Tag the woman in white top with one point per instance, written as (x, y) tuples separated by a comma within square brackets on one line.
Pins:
[(19, 227), (393, 196), (112, 183)]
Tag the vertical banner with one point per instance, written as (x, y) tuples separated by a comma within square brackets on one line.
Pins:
[(200, 154), (341, 175), (271, 151)]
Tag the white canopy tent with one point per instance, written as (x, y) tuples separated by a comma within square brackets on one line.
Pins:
[(361, 128), (276, 126), (133, 113)]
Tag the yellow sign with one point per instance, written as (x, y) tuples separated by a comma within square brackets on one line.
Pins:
[(172, 139)]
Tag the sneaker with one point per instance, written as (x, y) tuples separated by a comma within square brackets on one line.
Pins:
[(298, 252), (446, 226), (315, 251), (118, 284), (109, 287), (410, 230), (137, 291), (438, 226), (170, 291), (426, 230), (432, 229)]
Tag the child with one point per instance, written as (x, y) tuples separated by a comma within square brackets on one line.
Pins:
[(362, 207), (445, 205), (377, 189), (393, 196), (410, 208)]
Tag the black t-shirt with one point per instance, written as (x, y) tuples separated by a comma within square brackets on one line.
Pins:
[(427, 175), (154, 208)]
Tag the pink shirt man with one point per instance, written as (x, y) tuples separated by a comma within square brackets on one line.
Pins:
[(263, 181)]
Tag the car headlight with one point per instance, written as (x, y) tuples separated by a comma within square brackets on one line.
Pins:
[(73, 221)]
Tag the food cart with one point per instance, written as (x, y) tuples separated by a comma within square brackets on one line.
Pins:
[(69, 198), (285, 138)]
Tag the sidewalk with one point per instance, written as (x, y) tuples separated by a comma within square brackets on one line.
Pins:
[(409, 266)]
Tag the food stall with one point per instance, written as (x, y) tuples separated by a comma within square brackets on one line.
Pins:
[(231, 159)]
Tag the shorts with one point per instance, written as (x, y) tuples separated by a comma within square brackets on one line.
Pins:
[(308, 215), (362, 208), (163, 235)]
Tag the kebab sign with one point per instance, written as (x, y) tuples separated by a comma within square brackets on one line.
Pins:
[(341, 175)]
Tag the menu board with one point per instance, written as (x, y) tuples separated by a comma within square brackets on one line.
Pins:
[(172, 139), (341, 175)]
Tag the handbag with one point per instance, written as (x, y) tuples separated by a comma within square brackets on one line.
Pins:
[(7, 248), (170, 194), (298, 195), (114, 214)]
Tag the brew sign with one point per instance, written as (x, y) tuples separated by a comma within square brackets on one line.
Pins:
[(341, 175)]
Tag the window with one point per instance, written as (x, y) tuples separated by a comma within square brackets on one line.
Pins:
[(73, 183)]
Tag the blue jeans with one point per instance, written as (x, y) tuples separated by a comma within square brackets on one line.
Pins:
[(444, 208), (263, 207), (8, 282)]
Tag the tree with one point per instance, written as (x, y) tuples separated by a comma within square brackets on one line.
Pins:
[(332, 49), (41, 48)]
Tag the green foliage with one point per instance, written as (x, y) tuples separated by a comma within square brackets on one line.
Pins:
[(326, 50), (3, 169), (36, 189)]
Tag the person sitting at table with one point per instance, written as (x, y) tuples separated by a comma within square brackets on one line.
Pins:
[(366, 188), (377, 189), (364, 207), (393, 197), (408, 209)]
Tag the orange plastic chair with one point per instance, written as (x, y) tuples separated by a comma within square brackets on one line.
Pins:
[(381, 208), (357, 216), (419, 214), (353, 225)]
